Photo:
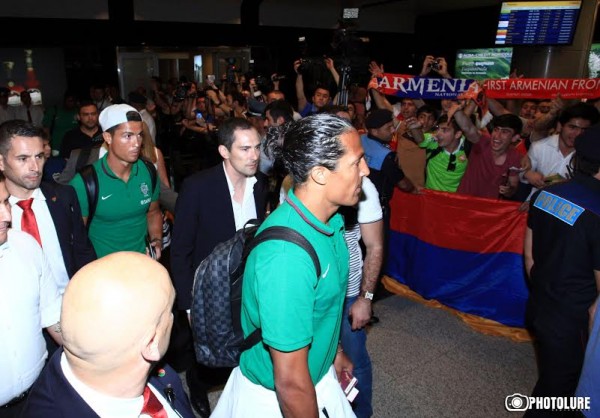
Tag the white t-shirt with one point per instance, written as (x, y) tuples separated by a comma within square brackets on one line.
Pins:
[(369, 210)]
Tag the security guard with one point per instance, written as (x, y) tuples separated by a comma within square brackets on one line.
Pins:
[(562, 257)]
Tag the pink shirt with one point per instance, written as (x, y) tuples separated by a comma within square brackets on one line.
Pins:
[(483, 177)]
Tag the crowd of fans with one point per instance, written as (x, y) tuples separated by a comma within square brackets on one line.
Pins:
[(146, 199)]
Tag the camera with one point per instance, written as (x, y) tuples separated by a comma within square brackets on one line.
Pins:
[(435, 65), (304, 64), (277, 77), (516, 402), (182, 91)]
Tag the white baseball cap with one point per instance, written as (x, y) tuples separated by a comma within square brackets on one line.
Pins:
[(115, 115)]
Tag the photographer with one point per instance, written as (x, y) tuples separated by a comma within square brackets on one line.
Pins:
[(321, 96), (198, 119), (438, 65), (217, 101)]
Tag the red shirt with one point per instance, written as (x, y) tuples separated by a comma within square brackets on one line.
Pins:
[(483, 177)]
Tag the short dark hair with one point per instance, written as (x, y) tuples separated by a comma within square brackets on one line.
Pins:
[(227, 130), (509, 120), (322, 87), (333, 109), (313, 141), (452, 122), (582, 165), (15, 127), (427, 109), (86, 103), (237, 96), (280, 109), (580, 110)]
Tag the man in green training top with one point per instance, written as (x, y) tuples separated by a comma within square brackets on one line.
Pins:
[(127, 209)]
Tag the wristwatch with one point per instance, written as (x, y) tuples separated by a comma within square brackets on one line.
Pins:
[(367, 295)]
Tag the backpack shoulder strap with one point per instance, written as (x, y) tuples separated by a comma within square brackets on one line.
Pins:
[(83, 157), (90, 181), (282, 233), (152, 171)]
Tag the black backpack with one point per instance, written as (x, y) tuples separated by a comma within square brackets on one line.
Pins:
[(90, 181), (217, 294)]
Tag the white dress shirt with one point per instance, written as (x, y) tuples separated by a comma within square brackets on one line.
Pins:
[(547, 158), (108, 406), (48, 235), (247, 209), (30, 302)]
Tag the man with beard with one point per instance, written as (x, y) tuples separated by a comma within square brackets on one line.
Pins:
[(88, 134), (48, 211), (292, 373)]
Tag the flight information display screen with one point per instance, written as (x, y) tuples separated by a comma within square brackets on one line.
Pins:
[(537, 22)]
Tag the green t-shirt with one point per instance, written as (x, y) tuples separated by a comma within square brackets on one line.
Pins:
[(282, 295), (60, 121), (119, 223), (441, 173)]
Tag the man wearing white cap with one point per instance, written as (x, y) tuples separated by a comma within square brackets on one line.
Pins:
[(127, 208)]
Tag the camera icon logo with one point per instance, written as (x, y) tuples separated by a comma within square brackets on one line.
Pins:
[(516, 402)]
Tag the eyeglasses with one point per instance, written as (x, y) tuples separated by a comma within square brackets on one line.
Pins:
[(452, 163)]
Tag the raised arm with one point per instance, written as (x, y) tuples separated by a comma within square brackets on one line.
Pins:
[(299, 87), (464, 122), (548, 120), (331, 67)]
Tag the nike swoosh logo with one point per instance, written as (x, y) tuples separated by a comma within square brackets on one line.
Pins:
[(326, 271), (106, 197)]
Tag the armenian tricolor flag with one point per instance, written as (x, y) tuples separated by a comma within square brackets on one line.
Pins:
[(463, 251)]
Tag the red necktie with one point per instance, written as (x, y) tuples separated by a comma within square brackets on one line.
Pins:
[(28, 222), (152, 406)]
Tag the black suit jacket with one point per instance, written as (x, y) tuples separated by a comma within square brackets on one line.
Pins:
[(52, 396), (76, 248), (204, 218)]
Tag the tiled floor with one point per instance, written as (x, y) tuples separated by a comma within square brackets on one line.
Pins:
[(428, 363)]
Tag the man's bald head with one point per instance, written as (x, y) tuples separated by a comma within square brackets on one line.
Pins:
[(116, 310)]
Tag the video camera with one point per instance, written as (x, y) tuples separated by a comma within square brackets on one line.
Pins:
[(182, 92), (308, 64)]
